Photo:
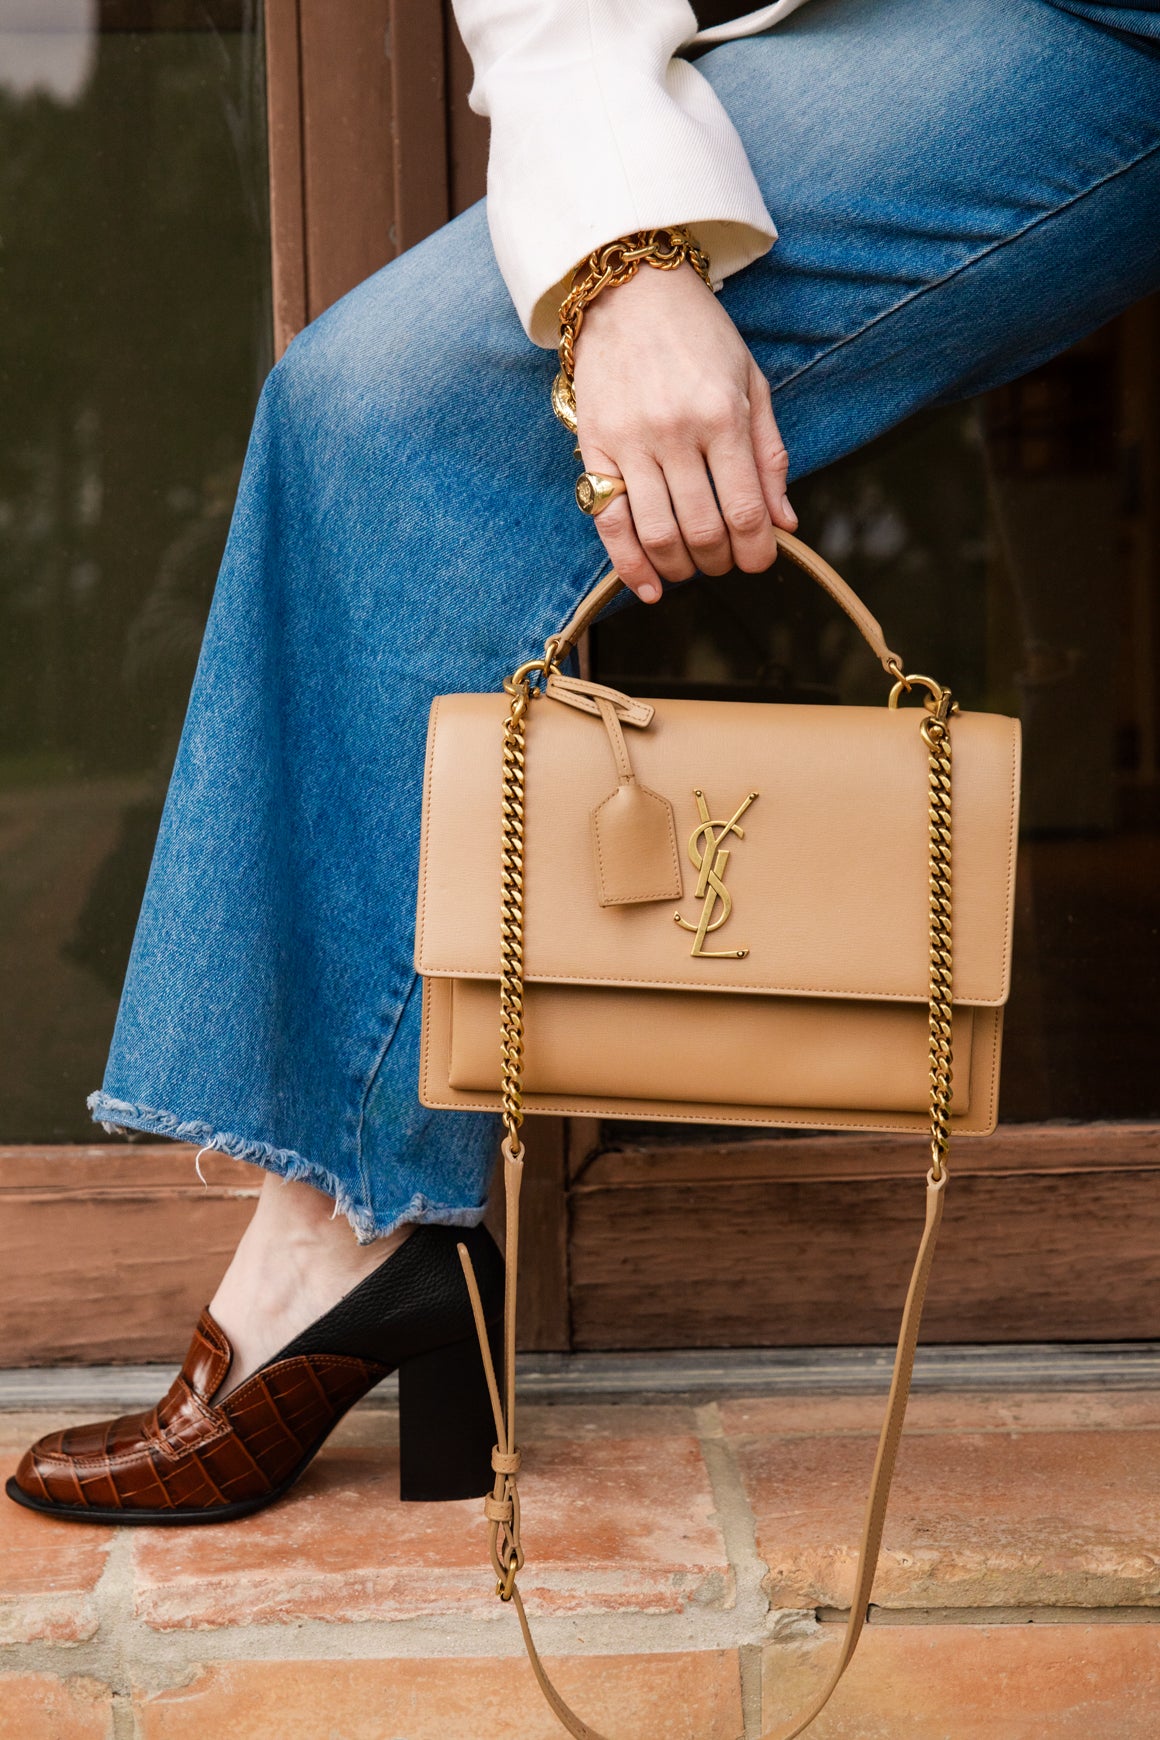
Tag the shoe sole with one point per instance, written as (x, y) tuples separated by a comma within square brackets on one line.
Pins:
[(153, 1518), (221, 1513)]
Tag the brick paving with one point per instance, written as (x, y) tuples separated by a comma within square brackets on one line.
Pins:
[(687, 1566)]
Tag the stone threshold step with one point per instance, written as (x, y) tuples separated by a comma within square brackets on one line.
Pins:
[(879, 1615), (688, 1568), (965, 1686), (684, 1373)]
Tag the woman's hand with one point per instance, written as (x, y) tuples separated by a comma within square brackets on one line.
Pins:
[(667, 397)]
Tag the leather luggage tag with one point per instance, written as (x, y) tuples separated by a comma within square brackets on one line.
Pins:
[(636, 847), (634, 835)]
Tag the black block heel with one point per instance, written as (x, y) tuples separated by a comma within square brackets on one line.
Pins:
[(446, 1425)]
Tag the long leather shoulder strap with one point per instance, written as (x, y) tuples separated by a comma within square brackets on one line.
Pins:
[(880, 1483), (797, 552)]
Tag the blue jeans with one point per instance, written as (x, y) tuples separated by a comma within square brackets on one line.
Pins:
[(961, 192)]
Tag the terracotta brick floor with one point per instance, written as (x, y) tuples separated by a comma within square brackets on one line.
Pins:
[(687, 1564)]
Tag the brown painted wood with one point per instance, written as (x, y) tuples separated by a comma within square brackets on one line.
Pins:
[(585, 1145), (1014, 1148), (467, 132), (544, 1320), (419, 103), (1032, 1257), (287, 192), (348, 148), (372, 145), (110, 1252)]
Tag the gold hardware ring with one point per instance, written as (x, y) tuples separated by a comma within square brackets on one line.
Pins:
[(594, 491), (935, 692), (543, 667), (505, 1585)]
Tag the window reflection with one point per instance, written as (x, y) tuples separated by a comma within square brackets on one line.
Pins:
[(49, 47), (134, 325)]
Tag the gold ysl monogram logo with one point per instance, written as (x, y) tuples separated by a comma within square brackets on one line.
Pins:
[(710, 858)]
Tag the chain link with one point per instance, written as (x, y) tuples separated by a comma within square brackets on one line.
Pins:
[(936, 735), (511, 993), (503, 1508)]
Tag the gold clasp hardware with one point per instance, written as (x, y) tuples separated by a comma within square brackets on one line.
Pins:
[(520, 680), (937, 700), (506, 1584), (711, 863)]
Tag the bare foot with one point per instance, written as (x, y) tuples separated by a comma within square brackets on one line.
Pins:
[(293, 1262)]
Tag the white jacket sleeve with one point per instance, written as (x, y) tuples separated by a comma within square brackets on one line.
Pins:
[(597, 130)]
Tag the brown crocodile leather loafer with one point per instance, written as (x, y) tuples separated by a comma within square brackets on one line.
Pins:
[(187, 1461)]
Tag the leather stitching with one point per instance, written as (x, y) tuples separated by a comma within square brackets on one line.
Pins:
[(142, 1452), (428, 776), (976, 1119), (770, 1117), (1012, 847), (604, 1108)]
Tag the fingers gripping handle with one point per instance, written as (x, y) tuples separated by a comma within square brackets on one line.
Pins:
[(801, 555)]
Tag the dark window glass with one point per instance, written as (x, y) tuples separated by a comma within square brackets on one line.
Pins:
[(134, 335)]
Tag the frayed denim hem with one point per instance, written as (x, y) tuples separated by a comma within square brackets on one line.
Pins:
[(286, 1162)]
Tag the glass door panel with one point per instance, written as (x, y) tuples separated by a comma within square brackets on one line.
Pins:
[(134, 336)]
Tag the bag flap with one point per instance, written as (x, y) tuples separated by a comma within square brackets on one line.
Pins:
[(826, 878)]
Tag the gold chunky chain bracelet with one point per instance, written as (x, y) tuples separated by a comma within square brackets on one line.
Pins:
[(615, 263)]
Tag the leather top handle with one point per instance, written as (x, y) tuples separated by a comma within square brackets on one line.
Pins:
[(800, 554)]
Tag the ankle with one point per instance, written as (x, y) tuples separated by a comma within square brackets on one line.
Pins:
[(294, 1262)]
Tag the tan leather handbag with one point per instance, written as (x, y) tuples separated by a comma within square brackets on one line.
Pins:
[(715, 911)]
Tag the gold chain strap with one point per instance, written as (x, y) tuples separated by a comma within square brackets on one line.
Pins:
[(511, 992), (936, 735), (502, 1507), (615, 263), (935, 732)]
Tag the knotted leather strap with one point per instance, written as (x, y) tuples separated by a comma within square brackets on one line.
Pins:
[(800, 554)]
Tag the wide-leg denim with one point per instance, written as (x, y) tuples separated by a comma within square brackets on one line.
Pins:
[(961, 191)]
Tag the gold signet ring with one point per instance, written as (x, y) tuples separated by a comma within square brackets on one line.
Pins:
[(594, 492)]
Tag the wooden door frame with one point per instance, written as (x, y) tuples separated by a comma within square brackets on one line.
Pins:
[(373, 82)]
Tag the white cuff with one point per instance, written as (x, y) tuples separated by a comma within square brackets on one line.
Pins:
[(597, 130)]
